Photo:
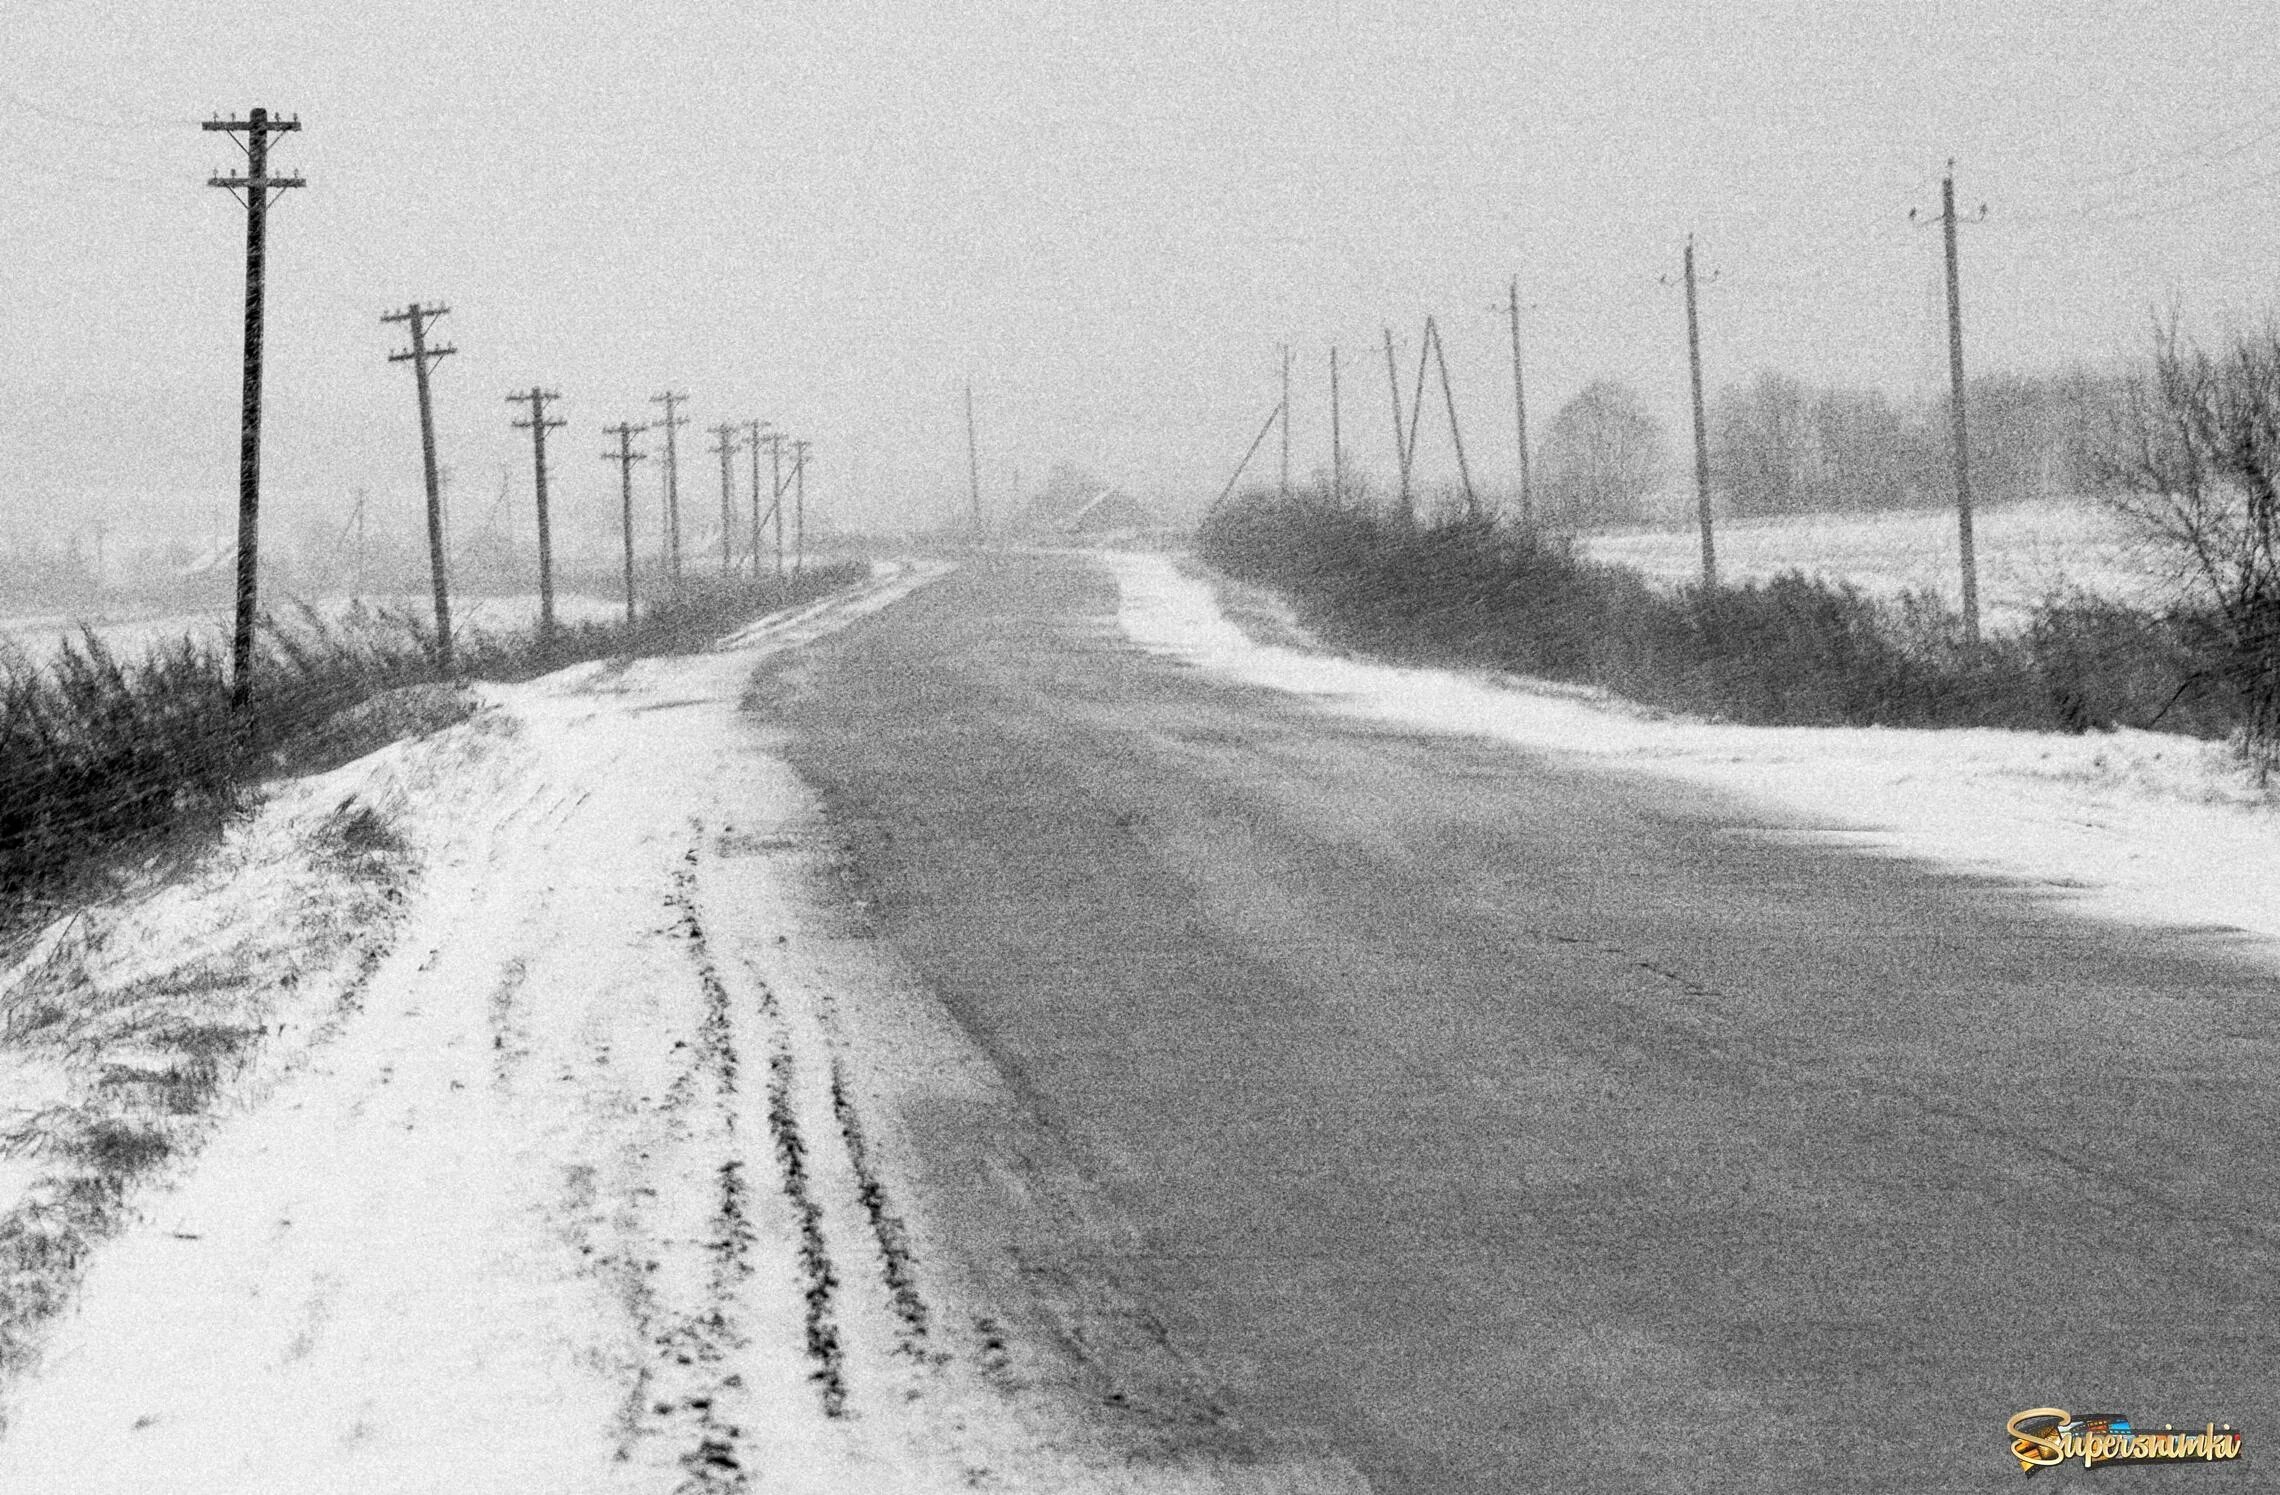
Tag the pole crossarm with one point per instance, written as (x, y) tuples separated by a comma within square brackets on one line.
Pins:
[(538, 400)]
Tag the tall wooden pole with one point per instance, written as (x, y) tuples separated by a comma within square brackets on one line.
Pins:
[(420, 356), (1958, 435), (776, 507), (625, 456), (973, 462), (754, 428), (1286, 421), (725, 435), (538, 425), (256, 184), (1400, 442), (1520, 416), (672, 422), (1456, 435), (1337, 453), (1701, 435), (799, 505)]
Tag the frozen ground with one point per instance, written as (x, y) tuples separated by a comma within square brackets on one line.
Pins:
[(2126, 825), (2026, 553), (565, 1155)]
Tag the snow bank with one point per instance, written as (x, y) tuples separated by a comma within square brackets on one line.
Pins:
[(2132, 826)]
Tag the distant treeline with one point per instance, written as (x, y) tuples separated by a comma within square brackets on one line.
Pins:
[(1783, 445)]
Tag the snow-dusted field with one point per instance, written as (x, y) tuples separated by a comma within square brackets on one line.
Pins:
[(39, 634), (2133, 826), (2026, 553)]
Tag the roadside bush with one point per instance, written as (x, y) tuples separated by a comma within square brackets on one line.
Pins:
[(2189, 455), (99, 755), (1793, 650)]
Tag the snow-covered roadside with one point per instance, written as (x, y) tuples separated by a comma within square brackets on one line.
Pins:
[(2128, 825), (590, 1184)]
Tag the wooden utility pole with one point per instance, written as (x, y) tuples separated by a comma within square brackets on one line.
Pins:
[(253, 189), (625, 456), (1337, 454), (420, 355), (1701, 434), (1417, 393), (1958, 436), (1273, 414), (1286, 420), (1456, 435), (973, 461), (672, 423), (724, 436), (1400, 441), (754, 428), (1520, 416), (776, 440), (799, 505), (538, 425), (356, 519)]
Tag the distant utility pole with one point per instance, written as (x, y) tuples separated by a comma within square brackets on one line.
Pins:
[(1337, 456), (538, 425), (1274, 414), (1520, 416), (625, 456), (725, 448), (356, 519), (799, 505), (1701, 435), (755, 443), (1456, 435), (253, 189), (1958, 435), (1417, 394), (672, 423), (776, 440), (1400, 440), (1286, 420), (420, 356), (973, 461)]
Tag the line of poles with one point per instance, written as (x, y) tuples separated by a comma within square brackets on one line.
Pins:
[(1430, 350), (257, 188)]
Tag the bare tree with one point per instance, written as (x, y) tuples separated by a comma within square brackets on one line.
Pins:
[(1761, 443), (1602, 458), (2191, 458)]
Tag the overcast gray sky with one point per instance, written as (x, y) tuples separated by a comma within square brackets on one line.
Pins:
[(1107, 215)]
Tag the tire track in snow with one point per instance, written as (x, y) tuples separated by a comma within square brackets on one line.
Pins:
[(819, 1280), (699, 1343)]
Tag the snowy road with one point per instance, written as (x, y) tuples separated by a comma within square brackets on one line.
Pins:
[(589, 1179), (1511, 1119)]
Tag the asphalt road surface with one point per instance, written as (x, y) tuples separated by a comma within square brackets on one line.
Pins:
[(1517, 1125)]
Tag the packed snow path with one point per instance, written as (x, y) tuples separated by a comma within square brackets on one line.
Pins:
[(588, 1186)]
